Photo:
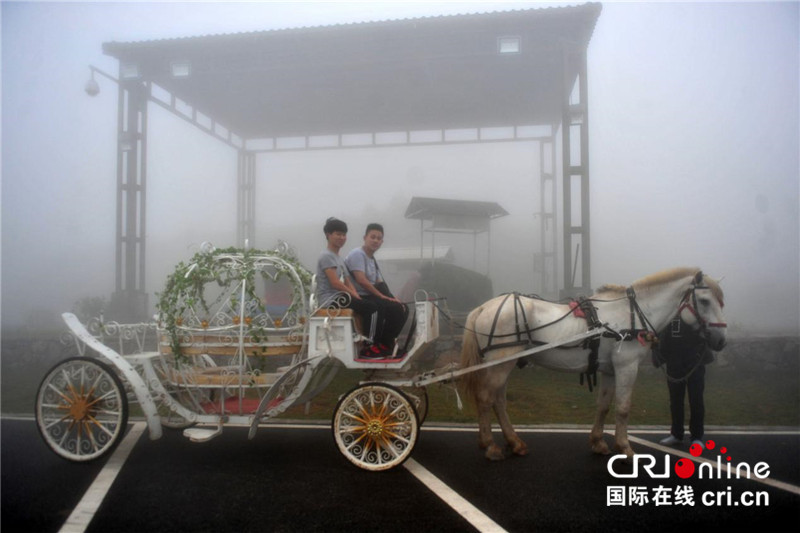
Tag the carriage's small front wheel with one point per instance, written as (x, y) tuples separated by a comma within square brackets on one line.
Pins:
[(375, 426), (81, 409)]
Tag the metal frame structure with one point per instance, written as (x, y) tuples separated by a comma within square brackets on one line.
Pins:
[(414, 82)]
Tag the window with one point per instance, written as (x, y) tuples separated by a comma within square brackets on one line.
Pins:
[(508, 45)]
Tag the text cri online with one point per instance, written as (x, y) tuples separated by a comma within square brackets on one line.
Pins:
[(682, 496)]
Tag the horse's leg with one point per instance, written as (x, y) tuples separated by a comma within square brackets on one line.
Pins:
[(516, 444), (492, 396), (485, 402), (604, 396), (625, 379)]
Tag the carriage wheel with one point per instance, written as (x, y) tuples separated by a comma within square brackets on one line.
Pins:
[(419, 397), (375, 426), (81, 409)]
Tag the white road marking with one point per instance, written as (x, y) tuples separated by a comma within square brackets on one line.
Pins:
[(672, 451), (79, 520), (471, 514)]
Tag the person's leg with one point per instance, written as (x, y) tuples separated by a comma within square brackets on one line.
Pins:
[(677, 390), (696, 388), (394, 316), (370, 317)]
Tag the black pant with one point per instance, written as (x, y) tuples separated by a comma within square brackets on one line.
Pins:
[(371, 317), (695, 384), (392, 316)]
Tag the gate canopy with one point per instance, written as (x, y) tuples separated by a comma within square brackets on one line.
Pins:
[(445, 72)]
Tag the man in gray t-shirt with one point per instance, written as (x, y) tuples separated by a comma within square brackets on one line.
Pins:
[(357, 260), (371, 286), (325, 291), (335, 286)]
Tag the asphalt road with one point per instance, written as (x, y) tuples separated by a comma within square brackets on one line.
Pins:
[(293, 479)]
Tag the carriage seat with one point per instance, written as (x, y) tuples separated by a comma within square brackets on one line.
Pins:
[(341, 313)]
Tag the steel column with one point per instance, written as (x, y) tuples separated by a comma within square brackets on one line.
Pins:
[(545, 264), (246, 199), (575, 166), (129, 301)]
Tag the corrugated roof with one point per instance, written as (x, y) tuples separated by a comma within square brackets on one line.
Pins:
[(435, 73), (112, 45), (426, 208)]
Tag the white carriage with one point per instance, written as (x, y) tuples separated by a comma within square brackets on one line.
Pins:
[(239, 341)]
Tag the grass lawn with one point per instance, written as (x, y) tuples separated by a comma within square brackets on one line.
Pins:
[(540, 396)]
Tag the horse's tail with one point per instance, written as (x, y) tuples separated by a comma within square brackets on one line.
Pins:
[(470, 355)]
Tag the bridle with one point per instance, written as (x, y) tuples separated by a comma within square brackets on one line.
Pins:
[(689, 303)]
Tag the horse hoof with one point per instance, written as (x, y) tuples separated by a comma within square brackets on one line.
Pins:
[(520, 449), (600, 447), (493, 453), (627, 450)]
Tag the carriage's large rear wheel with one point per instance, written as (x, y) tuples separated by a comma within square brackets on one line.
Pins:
[(375, 426), (81, 409)]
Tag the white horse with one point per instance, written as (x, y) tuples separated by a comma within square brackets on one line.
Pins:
[(632, 316)]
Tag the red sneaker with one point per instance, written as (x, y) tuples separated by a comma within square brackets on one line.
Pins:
[(370, 352)]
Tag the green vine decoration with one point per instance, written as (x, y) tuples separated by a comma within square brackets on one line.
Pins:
[(185, 289)]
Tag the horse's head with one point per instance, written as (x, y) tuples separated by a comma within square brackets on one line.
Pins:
[(701, 308)]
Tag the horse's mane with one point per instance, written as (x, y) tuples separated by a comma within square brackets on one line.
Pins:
[(659, 278)]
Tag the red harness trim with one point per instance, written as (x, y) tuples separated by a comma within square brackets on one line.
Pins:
[(687, 305), (576, 309)]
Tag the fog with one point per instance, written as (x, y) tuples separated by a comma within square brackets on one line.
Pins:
[(694, 155)]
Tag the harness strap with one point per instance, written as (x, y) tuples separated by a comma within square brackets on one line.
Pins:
[(644, 334), (589, 312), (494, 324), (519, 310)]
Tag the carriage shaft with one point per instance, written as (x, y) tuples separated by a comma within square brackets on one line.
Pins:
[(423, 380)]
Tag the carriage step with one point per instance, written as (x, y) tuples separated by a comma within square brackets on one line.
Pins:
[(202, 434)]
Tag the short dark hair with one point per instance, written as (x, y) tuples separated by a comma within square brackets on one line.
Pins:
[(372, 226), (334, 224)]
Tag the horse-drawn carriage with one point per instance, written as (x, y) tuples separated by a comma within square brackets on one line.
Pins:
[(240, 339)]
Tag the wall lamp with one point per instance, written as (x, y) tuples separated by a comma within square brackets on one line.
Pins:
[(92, 88)]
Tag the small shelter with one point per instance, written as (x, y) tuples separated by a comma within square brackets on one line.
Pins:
[(454, 216)]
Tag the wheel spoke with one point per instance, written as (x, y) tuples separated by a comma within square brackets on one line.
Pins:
[(113, 414), (66, 398), (357, 440), (90, 436), (354, 417), (99, 425), (56, 422)]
